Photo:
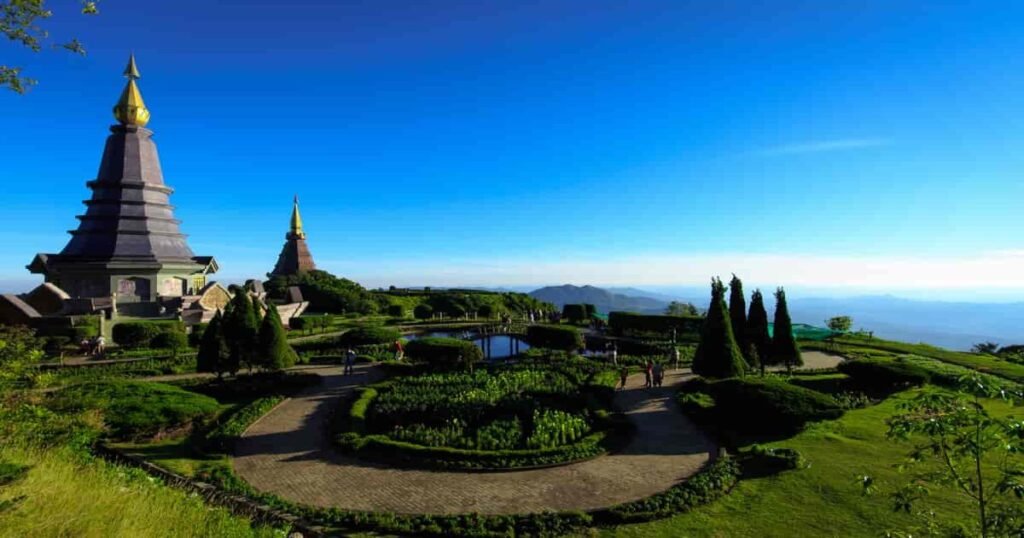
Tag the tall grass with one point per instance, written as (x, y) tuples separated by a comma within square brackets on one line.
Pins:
[(66, 496)]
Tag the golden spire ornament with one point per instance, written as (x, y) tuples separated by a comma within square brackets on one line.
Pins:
[(296, 227), (130, 109)]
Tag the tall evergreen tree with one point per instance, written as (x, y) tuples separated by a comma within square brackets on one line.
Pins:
[(784, 347), (757, 336), (213, 354), (717, 355), (738, 316), (241, 329), (274, 352)]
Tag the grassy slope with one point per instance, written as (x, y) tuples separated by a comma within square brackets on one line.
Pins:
[(824, 500), (95, 499)]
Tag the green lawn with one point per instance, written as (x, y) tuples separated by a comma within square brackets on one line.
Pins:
[(823, 500), (65, 496)]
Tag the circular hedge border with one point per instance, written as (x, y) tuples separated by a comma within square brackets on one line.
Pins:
[(610, 432)]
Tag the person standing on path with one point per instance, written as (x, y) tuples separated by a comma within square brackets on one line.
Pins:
[(350, 362), (399, 351), (615, 355), (623, 375), (659, 374), (675, 356), (648, 374)]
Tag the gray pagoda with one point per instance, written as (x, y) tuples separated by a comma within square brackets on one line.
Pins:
[(128, 251)]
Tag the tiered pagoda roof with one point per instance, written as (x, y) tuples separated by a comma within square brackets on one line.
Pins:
[(295, 257)]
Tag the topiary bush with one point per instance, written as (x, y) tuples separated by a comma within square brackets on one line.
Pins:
[(396, 311), (558, 337), (138, 334), (884, 373), (363, 336), (423, 311), (444, 353), (172, 340)]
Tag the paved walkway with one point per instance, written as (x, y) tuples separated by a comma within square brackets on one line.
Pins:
[(288, 453)]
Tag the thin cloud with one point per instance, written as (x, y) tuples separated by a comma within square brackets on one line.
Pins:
[(823, 146)]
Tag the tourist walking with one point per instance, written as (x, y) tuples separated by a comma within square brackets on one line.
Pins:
[(675, 356), (648, 375), (659, 374), (623, 374), (350, 362), (399, 350), (100, 345), (615, 354)]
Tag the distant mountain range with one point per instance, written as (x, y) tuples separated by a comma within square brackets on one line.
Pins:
[(954, 325), (603, 300)]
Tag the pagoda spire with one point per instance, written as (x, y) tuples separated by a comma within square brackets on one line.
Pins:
[(296, 223), (130, 108)]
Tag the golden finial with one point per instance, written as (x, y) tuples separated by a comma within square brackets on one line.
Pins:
[(130, 109), (296, 228)]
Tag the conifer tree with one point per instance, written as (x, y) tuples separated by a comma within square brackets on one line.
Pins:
[(241, 329), (213, 351), (757, 336), (274, 351), (784, 347), (738, 317), (717, 355)]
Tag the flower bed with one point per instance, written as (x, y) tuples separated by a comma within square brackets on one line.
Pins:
[(509, 417)]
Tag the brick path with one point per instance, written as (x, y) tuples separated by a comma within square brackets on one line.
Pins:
[(287, 452)]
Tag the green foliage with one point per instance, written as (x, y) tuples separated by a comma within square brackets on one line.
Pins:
[(712, 482), (956, 431), (444, 353), (19, 352), (134, 409), (172, 340), (138, 334), (309, 324), (486, 311), (325, 292), (738, 316), (21, 22), (247, 387), (839, 324), (195, 337), (423, 311), (784, 347), (717, 355), (756, 407), (214, 355), (240, 326), (628, 323), (575, 313), (361, 336), (552, 428), (885, 373), (759, 343), (558, 337), (677, 308), (396, 311), (273, 352), (222, 438)]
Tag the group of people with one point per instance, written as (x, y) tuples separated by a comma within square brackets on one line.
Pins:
[(93, 346), (654, 375)]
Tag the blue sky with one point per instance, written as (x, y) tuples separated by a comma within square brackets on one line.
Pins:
[(842, 145)]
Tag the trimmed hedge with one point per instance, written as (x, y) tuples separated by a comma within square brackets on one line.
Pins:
[(172, 340), (559, 337), (444, 352), (423, 311), (396, 311), (626, 322), (223, 437), (310, 323), (136, 334), (362, 336), (712, 482), (756, 406), (575, 313), (884, 373)]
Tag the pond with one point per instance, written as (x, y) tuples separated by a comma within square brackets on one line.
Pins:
[(494, 346)]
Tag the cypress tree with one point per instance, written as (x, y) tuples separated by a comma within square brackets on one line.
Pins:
[(738, 317), (784, 347), (213, 352), (757, 330), (274, 351), (241, 329), (717, 355)]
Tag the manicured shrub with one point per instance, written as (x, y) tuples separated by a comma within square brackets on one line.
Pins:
[(784, 347), (248, 387), (222, 438), (554, 337), (717, 354), (759, 343), (622, 323), (768, 406), (444, 353), (575, 313), (273, 352), (137, 334), (213, 355), (884, 373), (760, 461), (485, 311), (195, 337), (172, 340), (362, 336), (423, 311), (135, 409), (396, 311)]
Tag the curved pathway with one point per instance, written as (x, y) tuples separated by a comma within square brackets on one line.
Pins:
[(287, 452)]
